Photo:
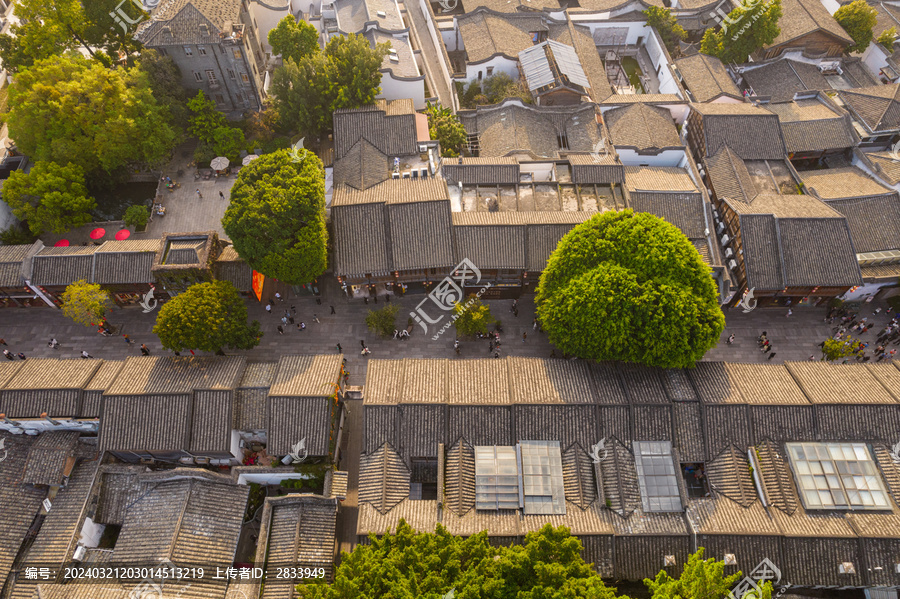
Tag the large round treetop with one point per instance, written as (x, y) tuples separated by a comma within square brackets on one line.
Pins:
[(276, 218), (629, 287)]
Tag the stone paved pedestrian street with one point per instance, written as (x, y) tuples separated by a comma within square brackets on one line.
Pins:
[(29, 330)]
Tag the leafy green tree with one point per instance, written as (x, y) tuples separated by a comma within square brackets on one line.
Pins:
[(306, 93), (86, 303), (444, 126), (51, 197), (164, 78), (425, 565), (858, 19), (501, 86), (667, 25), (835, 349), (17, 235), (137, 216), (472, 317), (887, 38), (69, 109), (228, 142), (629, 287), (204, 120), (209, 317), (294, 39), (383, 322), (30, 41), (276, 218), (700, 579), (750, 26)]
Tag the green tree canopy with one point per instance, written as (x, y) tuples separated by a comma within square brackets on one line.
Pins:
[(204, 119), (136, 216), (50, 198), (164, 78), (294, 39), (383, 322), (86, 303), (306, 93), (416, 565), (444, 126), (667, 25), (276, 218), (858, 19), (69, 109), (887, 38), (835, 349), (50, 27), (629, 287), (700, 579), (472, 317), (749, 27), (209, 317)]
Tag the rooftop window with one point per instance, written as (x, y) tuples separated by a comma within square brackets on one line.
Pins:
[(656, 476), (527, 476), (837, 476)]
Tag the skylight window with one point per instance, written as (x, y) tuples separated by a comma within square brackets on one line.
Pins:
[(527, 476), (656, 476), (837, 476), (542, 477), (496, 478)]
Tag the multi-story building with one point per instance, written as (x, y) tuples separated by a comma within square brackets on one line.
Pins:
[(213, 44)]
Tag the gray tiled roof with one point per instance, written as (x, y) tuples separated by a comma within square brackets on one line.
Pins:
[(59, 266), (300, 530), (729, 176), (176, 375), (753, 133), (839, 383), (405, 66), (230, 267), (684, 210), (420, 234), (11, 258), (482, 171), (812, 125), (885, 166), (47, 457), (843, 183), (306, 376), (878, 107), (818, 252), (360, 241), (512, 126), (384, 479), (186, 520), (352, 15), (761, 252), (642, 126), (495, 246), (46, 385), (183, 19), (781, 79), (393, 132), (706, 77), (801, 17), (129, 261), (363, 166), (874, 221), (485, 33)]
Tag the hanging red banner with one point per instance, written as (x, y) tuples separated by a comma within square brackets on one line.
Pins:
[(258, 280)]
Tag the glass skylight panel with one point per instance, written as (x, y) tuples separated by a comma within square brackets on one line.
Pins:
[(496, 478), (542, 477), (837, 476), (656, 476)]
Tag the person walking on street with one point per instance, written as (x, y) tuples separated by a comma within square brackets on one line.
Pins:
[(534, 325), (85, 355), (332, 309), (127, 339), (341, 349), (730, 339), (268, 308), (199, 195), (221, 195), (280, 330), (524, 336), (316, 318), (365, 351), (54, 343), (362, 343), (790, 312), (3, 342), (772, 355), (284, 320), (278, 297), (8, 355), (21, 356), (302, 326), (145, 351)]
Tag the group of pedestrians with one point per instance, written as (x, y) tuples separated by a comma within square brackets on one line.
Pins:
[(851, 325)]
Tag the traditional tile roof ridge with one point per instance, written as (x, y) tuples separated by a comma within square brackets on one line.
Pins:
[(659, 178), (384, 466), (800, 17), (878, 106), (393, 191), (578, 469), (843, 183), (459, 492), (730, 176), (642, 126), (306, 376), (52, 373), (474, 219), (729, 108), (48, 457), (885, 165), (781, 79), (129, 245), (729, 476), (176, 375), (785, 206), (707, 78), (753, 133), (644, 98), (840, 383)]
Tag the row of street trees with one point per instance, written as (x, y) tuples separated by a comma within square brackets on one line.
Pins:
[(548, 565)]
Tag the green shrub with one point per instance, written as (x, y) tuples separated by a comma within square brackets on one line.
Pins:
[(137, 216)]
